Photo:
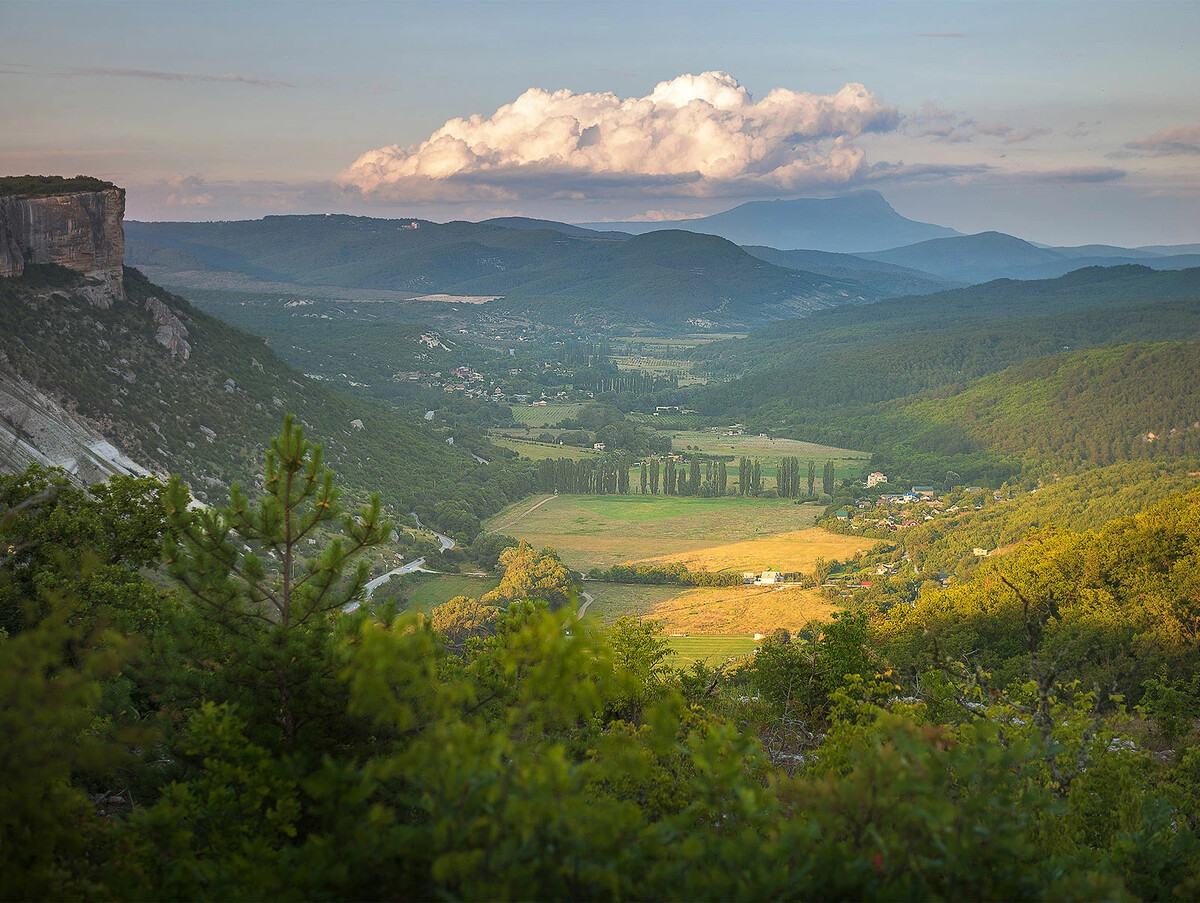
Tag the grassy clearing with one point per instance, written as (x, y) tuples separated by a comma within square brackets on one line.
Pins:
[(741, 610), (716, 443), (665, 345), (537, 451), (712, 650), (600, 531), (618, 600), (424, 592), (549, 415), (788, 552)]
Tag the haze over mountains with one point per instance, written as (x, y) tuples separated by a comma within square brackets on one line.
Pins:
[(861, 221), (689, 274)]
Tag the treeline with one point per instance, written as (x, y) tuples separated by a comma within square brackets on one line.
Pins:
[(663, 574), (609, 475)]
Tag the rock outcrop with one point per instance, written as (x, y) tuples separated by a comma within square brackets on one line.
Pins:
[(171, 333), (80, 230)]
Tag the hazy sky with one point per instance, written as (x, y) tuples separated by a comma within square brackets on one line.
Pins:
[(1064, 123)]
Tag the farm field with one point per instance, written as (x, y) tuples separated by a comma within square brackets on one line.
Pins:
[(797, 550), (714, 443), (536, 451), (667, 345), (619, 600), (725, 610), (656, 365), (712, 650), (600, 531), (544, 416)]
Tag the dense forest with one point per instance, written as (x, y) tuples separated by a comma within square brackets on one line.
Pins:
[(192, 711)]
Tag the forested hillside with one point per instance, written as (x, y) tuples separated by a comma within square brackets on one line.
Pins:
[(831, 375), (665, 277), (182, 392)]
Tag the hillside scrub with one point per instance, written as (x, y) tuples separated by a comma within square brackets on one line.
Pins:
[(258, 741)]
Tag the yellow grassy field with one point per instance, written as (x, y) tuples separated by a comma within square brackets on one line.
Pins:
[(741, 610), (797, 550)]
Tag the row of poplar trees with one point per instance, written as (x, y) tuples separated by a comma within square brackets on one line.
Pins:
[(609, 475)]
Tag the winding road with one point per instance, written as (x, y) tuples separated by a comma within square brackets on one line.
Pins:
[(411, 568)]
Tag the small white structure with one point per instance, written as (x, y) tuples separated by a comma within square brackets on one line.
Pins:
[(769, 578), (874, 479), (356, 424)]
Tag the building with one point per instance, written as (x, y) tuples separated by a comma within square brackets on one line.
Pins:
[(875, 479)]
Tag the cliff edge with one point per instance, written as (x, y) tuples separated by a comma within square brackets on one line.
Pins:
[(75, 223)]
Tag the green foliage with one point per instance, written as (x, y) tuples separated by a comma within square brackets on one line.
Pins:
[(267, 614), (462, 619), (530, 575), (62, 539), (49, 186), (675, 574)]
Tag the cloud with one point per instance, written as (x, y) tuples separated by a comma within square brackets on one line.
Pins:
[(695, 135), (188, 191), (167, 76), (925, 172), (1075, 175), (1176, 140), (932, 121), (663, 216)]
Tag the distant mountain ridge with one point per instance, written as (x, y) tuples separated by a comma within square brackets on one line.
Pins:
[(862, 221), (995, 255), (555, 272)]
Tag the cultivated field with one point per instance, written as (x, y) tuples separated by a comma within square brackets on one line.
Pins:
[(712, 650), (618, 600), (537, 450), (797, 550), (544, 416), (715, 443), (600, 531), (727, 610)]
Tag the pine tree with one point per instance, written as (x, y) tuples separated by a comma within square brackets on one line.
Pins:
[(258, 628)]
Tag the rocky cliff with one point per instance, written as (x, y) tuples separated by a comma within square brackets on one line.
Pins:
[(80, 230)]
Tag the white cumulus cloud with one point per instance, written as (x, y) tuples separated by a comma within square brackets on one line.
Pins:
[(695, 135)]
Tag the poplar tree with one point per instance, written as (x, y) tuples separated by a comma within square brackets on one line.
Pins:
[(812, 477)]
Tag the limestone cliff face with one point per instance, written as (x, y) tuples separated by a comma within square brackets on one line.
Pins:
[(80, 230)]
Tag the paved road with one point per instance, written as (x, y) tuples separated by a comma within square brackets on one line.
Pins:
[(446, 541), (411, 568)]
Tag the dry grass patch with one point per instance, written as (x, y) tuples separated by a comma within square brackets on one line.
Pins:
[(797, 550), (741, 610), (618, 600), (600, 531)]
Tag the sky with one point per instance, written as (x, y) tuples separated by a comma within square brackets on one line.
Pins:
[(1063, 123)]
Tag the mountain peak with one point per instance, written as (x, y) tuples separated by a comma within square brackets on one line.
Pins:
[(857, 221)]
